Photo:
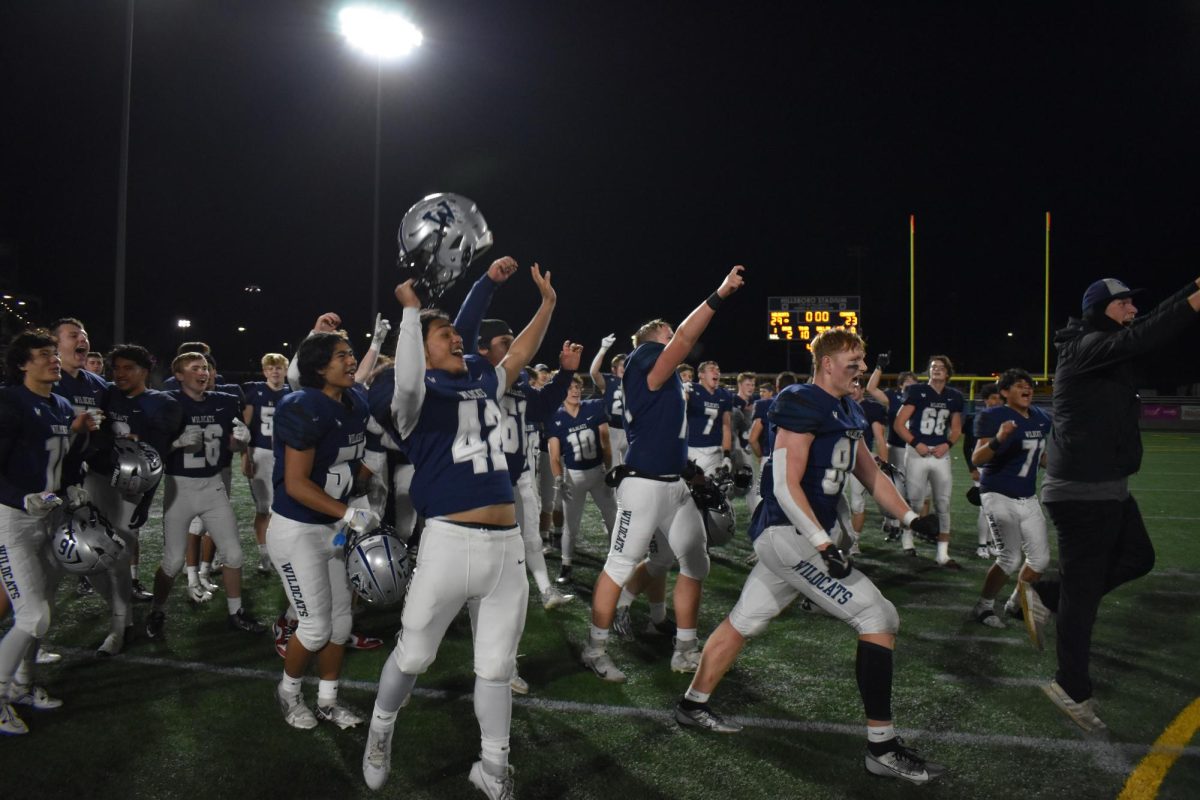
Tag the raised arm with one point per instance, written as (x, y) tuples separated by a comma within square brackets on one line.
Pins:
[(541, 403), (477, 301), (689, 331), (596, 372), (529, 340), (872, 387), (409, 392)]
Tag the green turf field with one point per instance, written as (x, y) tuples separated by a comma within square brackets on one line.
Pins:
[(195, 716)]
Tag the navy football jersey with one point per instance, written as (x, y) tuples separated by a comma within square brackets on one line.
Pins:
[(152, 417), (84, 391), (35, 438), (1013, 469), (706, 415), (837, 426), (309, 419), (874, 412), (895, 400), (213, 416), (264, 400), (379, 402), (655, 422), (614, 400), (523, 406), (579, 435), (746, 408), (932, 412), (457, 445), (761, 409)]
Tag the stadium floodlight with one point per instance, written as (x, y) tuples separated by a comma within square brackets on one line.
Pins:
[(241, 329), (378, 32), (184, 323)]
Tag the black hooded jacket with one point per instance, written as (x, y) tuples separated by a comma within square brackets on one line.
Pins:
[(1096, 435)]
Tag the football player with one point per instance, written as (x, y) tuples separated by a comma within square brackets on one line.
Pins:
[(936, 413), (580, 458), (875, 437), (652, 495), (742, 416), (892, 399), (195, 488), (709, 430), (95, 363), (1010, 446), (258, 460), (319, 440), (818, 441), (990, 395), (609, 385), (37, 428), (131, 411), (447, 410), (759, 429), (686, 375)]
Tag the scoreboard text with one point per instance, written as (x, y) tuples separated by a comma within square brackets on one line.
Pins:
[(803, 318)]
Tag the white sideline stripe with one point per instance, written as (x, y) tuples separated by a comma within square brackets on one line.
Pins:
[(1185, 519), (1176, 573), (939, 584), (1114, 758), (999, 681), (1141, 489), (965, 637)]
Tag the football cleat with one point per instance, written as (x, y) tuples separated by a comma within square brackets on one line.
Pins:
[(622, 624), (111, 646), (951, 565), (198, 594), (989, 617), (295, 713), (1034, 612), (44, 656), (1013, 610), (704, 718), (518, 684), (564, 574), (910, 551), (155, 624), (338, 715), (601, 663), (664, 628), (359, 642), (139, 592), (208, 585), (85, 587), (552, 598), (241, 621), (33, 696), (1082, 713), (903, 763), (10, 723), (686, 657), (377, 758), (495, 787)]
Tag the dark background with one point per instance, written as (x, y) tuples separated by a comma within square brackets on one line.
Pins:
[(636, 150)]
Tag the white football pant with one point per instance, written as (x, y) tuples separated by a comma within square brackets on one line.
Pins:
[(934, 471), (313, 570)]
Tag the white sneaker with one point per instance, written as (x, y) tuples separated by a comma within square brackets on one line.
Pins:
[(1035, 612), (552, 598), (198, 594), (601, 663), (44, 656), (377, 758), (208, 585), (686, 657), (33, 696), (295, 713), (495, 788), (10, 723), (1082, 714), (518, 684), (987, 615), (903, 763), (338, 715), (112, 645)]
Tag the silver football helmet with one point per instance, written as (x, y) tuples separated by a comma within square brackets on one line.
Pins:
[(377, 565), (717, 513), (85, 543), (439, 238), (137, 467)]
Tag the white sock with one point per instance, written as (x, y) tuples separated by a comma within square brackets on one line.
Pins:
[(943, 552), (599, 635), (234, 603), (382, 721), (906, 540), (493, 709), (290, 685), (327, 692), (696, 696), (205, 567), (133, 571), (985, 603), (685, 634), (193, 580), (880, 734), (626, 599), (658, 612)]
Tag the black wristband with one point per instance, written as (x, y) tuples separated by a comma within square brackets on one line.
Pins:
[(714, 301), (995, 444)]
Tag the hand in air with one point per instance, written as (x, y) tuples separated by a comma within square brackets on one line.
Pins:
[(407, 295), (570, 356), (733, 281), (543, 284), (382, 327), (327, 323), (608, 341), (502, 269)]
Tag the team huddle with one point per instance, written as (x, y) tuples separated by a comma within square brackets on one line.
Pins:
[(482, 462)]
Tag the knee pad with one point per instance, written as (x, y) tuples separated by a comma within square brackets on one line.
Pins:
[(620, 567), (408, 660), (494, 669), (233, 558), (881, 617), (1009, 560), (339, 631), (695, 564), (36, 619), (172, 567), (313, 634), (747, 628)]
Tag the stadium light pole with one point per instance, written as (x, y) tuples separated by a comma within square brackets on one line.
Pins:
[(382, 35), (123, 187)]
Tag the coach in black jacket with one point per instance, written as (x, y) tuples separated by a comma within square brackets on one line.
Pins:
[(1095, 446)]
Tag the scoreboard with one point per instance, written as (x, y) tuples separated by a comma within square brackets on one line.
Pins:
[(802, 318)]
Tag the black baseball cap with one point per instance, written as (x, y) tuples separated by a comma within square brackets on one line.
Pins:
[(1104, 291)]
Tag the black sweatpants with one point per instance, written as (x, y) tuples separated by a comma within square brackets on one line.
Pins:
[(1101, 545)]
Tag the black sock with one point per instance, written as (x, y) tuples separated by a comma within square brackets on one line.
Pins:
[(873, 668), (691, 705)]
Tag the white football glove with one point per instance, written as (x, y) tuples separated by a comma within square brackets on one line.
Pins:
[(562, 486), (77, 496), (687, 387), (191, 440), (360, 520), (241, 435), (97, 417), (382, 327), (727, 464), (608, 341), (39, 504)]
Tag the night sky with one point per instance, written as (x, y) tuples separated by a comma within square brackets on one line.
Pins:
[(636, 150)]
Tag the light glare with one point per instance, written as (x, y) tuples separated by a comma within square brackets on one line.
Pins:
[(184, 323), (378, 33)]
